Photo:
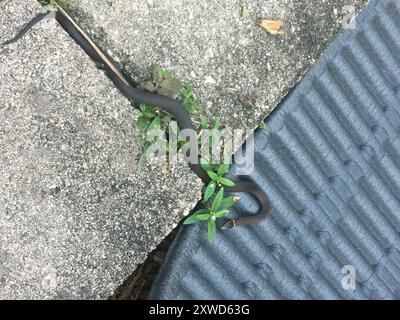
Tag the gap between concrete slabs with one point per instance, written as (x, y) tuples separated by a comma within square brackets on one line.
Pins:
[(239, 71), (76, 211)]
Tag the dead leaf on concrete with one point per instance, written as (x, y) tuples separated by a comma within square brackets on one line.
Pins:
[(165, 169), (231, 90), (244, 12), (274, 27)]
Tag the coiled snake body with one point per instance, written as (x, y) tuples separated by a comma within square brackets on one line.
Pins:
[(167, 104)]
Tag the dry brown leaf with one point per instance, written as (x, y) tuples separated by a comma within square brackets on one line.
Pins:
[(165, 169), (231, 90), (244, 12), (274, 27)]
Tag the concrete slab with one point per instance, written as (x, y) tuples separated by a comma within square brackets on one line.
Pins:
[(76, 212), (239, 71)]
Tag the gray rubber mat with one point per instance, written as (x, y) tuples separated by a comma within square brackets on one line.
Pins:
[(330, 163)]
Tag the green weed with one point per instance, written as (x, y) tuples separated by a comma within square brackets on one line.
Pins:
[(150, 117), (217, 208), (52, 3)]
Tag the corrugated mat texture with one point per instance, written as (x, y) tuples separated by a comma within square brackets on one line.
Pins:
[(330, 162)]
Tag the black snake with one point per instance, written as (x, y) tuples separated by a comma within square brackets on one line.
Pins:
[(167, 104)]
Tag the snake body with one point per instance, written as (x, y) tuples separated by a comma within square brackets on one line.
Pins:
[(167, 104), (26, 28)]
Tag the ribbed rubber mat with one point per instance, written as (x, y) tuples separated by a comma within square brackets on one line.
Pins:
[(330, 163)]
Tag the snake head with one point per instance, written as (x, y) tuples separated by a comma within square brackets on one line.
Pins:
[(229, 224)]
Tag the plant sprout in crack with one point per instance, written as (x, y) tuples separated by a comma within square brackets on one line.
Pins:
[(216, 207), (151, 117)]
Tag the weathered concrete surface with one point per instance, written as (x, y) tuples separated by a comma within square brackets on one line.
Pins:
[(76, 212), (209, 44)]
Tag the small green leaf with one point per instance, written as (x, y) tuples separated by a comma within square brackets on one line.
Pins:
[(148, 111), (156, 123), (213, 175), (149, 115), (188, 100), (217, 123), (218, 200), (262, 126), (192, 219), (212, 230), (181, 143), (167, 119), (202, 217), (142, 159), (201, 211), (138, 114), (220, 214), (187, 93), (143, 123), (147, 145), (160, 74), (227, 203), (227, 182), (209, 190), (204, 122), (223, 168)]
